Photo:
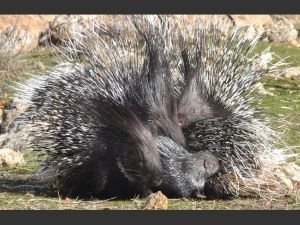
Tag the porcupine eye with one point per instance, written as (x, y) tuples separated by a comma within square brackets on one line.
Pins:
[(193, 111)]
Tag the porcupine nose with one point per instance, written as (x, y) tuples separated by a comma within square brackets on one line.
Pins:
[(211, 164), (181, 119)]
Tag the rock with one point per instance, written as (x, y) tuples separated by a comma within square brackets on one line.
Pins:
[(284, 180), (294, 19), (10, 158), (265, 60), (29, 27), (60, 29), (290, 72), (156, 201), (292, 171), (275, 28), (39, 65), (259, 89), (293, 42), (14, 110), (282, 31), (191, 19), (16, 138), (64, 27), (43, 29), (14, 39), (258, 21)]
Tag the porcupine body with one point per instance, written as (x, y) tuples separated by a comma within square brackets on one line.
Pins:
[(100, 124), (214, 108), (87, 135)]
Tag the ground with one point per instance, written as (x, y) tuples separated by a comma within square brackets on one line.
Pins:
[(284, 104)]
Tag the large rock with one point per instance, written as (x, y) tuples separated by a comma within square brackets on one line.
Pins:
[(64, 27), (26, 27), (294, 19), (283, 31), (275, 28), (260, 22), (42, 29)]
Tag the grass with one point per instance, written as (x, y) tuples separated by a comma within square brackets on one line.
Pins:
[(33, 62), (289, 53), (284, 106), (28, 201)]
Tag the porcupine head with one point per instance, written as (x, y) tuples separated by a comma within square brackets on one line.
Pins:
[(184, 173)]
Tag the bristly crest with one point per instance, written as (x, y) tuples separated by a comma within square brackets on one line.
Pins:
[(222, 57)]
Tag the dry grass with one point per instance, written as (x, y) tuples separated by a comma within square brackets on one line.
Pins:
[(29, 201), (12, 42)]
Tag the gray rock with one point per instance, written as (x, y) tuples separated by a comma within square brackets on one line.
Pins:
[(283, 31)]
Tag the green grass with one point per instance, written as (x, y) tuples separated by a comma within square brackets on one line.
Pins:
[(289, 53), (286, 94), (284, 106), (42, 55), (34, 62), (29, 201)]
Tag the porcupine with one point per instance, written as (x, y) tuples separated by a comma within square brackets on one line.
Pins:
[(80, 116), (214, 108)]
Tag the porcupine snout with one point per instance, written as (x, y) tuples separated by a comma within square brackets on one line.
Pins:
[(211, 164)]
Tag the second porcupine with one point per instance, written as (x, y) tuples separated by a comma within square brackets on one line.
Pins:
[(74, 150), (215, 111)]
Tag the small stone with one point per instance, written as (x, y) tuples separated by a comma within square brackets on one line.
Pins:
[(293, 171), (265, 60), (39, 65), (156, 201), (293, 42), (10, 158), (259, 89), (284, 180), (291, 72)]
